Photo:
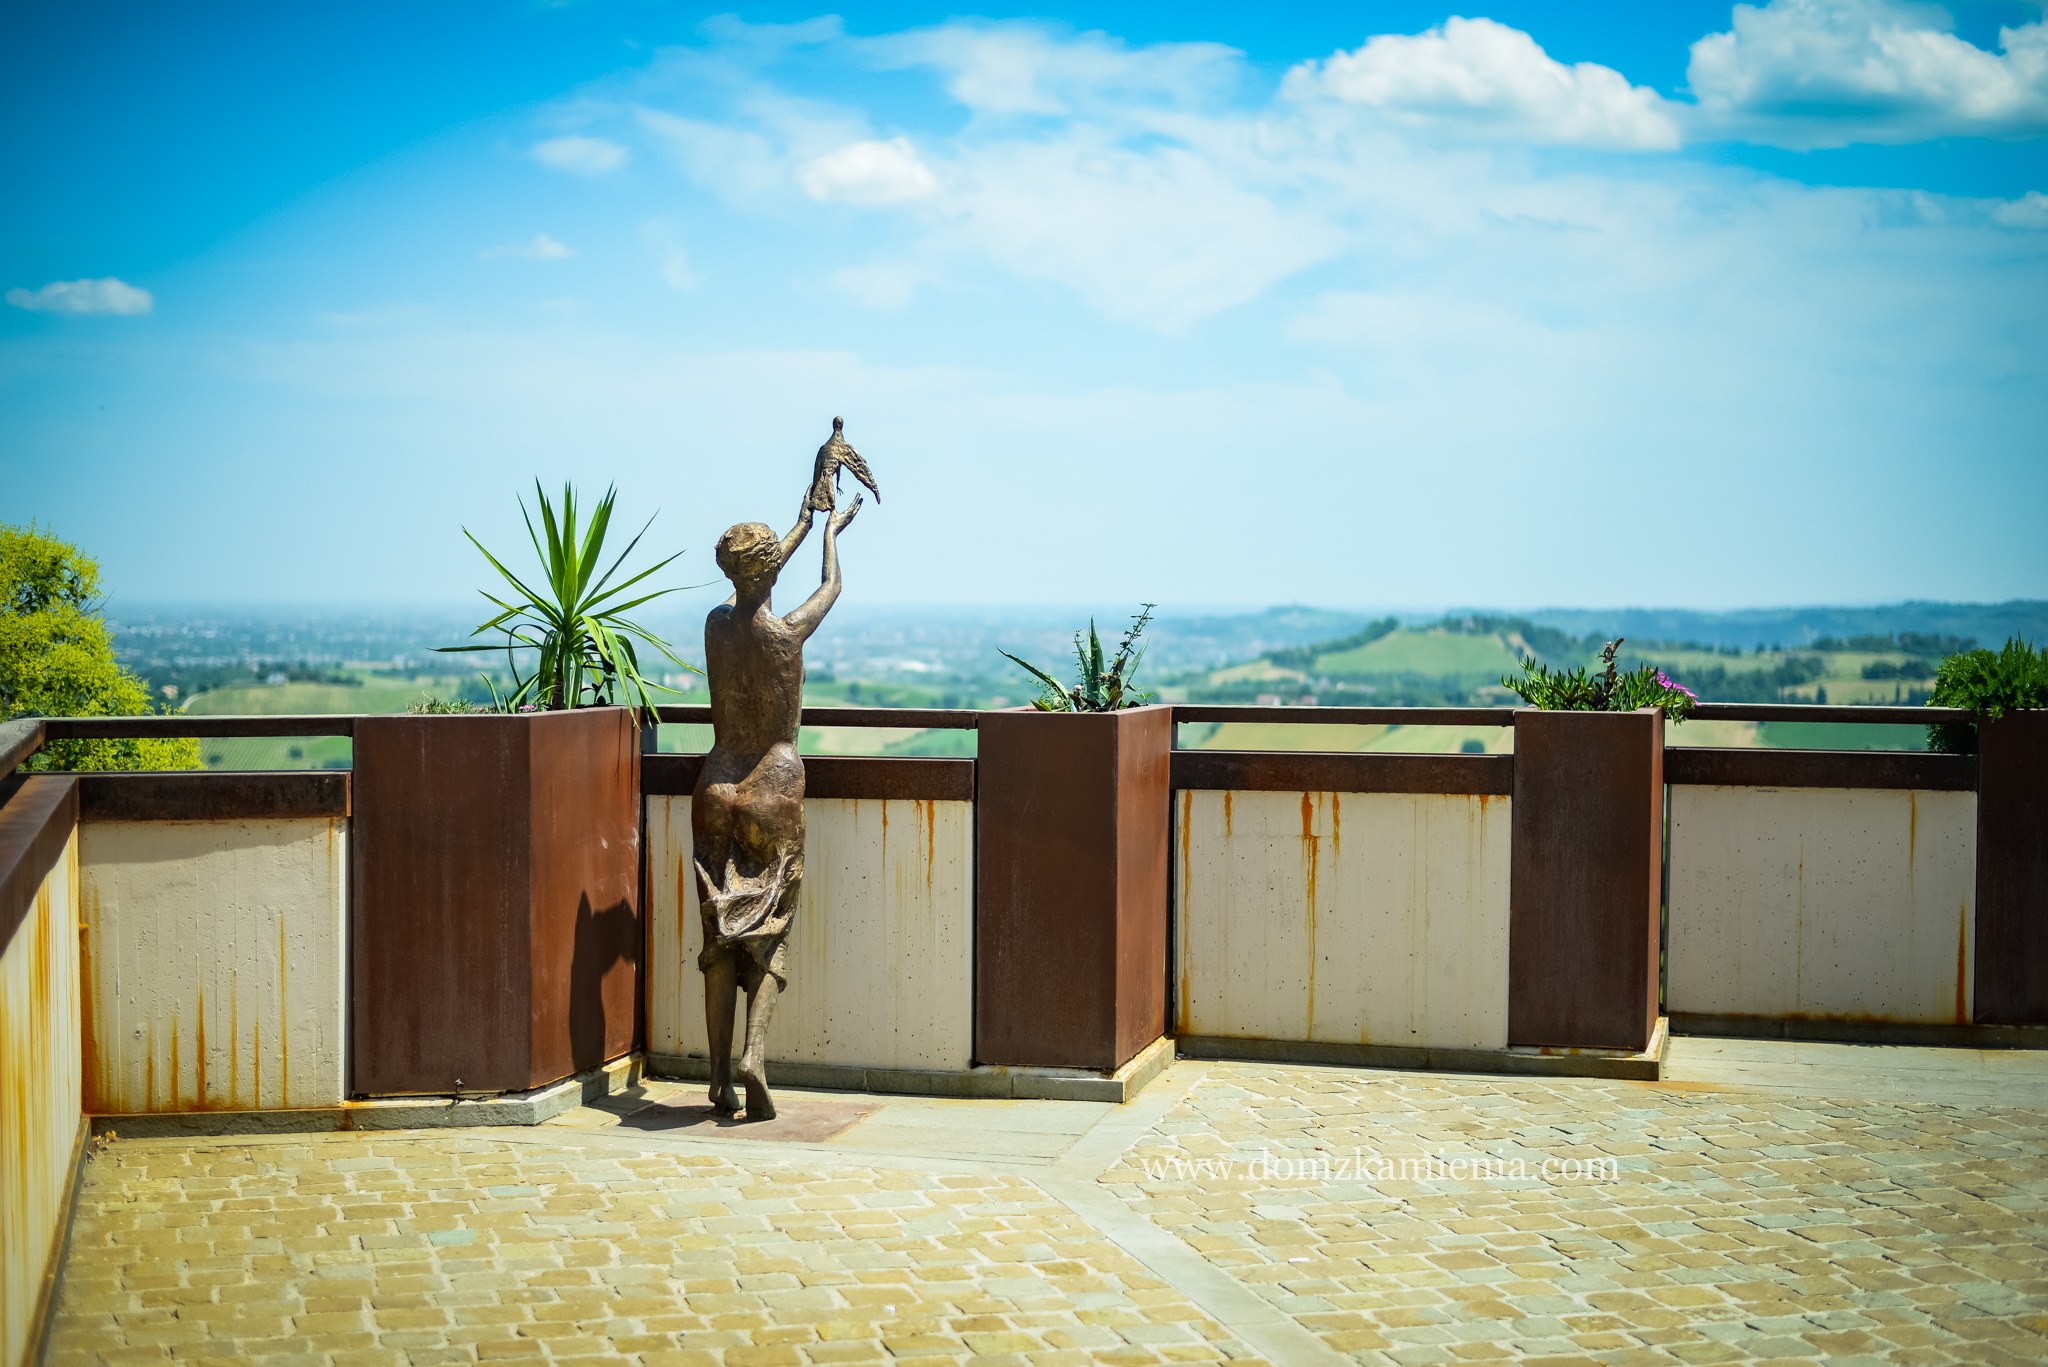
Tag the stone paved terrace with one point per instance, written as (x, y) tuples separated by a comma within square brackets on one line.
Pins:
[(1777, 1201)]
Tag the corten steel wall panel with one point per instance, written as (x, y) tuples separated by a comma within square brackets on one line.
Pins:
[(1071, 824), (1821, 903), (478, 843), (586, 930), (41, 1128), (442, 905), (2012, 870), (1344, 917), (1586, 879), (881, 952), (214, 964), (1144, 814)]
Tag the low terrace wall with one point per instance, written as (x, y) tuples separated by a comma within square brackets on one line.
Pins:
[(42, 1130), (214, 944), (1820, 886), (1354, 900), (881, 952)]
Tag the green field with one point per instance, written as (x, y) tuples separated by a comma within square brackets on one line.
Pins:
[(375, 694), (1434, 652)]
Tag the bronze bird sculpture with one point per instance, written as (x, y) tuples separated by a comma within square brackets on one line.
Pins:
[(832, 457)]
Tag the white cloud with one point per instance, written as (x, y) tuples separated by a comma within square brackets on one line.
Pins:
[(1825, 73), (1025, 68), (732, 160), (673, 260), (870, 172), (104, 295), (580, 155), (1478, 77), (2028, 211), (541, 248)]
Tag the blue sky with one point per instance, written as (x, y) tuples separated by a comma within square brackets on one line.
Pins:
[(1376, 305)]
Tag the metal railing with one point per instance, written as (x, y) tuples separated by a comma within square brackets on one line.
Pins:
[(23, 737)]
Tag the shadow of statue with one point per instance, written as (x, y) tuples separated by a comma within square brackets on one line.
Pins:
[(604, 941)]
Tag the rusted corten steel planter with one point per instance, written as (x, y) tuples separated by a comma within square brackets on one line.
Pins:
[(2012, 870), (1585, 879), (1072, 815), (496, 923)]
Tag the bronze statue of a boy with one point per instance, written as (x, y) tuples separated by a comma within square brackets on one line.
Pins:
[(747, 813)]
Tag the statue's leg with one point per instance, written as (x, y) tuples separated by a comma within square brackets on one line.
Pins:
[(763, 988), (721, 995)]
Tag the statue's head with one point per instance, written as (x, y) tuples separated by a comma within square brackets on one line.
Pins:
[(749, 554)]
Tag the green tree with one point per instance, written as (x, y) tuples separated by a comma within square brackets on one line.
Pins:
[(57, 657)]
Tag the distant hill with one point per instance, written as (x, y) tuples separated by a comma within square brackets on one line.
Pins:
[(1987, 624)]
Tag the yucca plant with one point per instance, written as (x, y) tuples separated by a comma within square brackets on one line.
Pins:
[(1101, 689), (585, 642)]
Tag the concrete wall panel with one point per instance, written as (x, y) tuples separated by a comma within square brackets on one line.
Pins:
[(1832, 903), (881, 955), (1368, 918), (215, 964), (39, 1093)]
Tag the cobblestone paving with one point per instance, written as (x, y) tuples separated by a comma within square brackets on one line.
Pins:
[(349, 1248), (1741, 1227), (1738, 1225)]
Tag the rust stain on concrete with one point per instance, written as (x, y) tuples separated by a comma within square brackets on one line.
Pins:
[(284, 1022), (931, 841), (1962, 963), (1226, 814), (199, 1049), (1311, 853), (94, 1061)]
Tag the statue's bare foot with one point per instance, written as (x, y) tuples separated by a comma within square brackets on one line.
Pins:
[(724, 1100), (759, 1105)]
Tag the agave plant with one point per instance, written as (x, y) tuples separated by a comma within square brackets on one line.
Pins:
[(1100, 689), (587, 656)]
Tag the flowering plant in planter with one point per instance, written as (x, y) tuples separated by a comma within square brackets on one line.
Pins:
[(1613, 689), (1100, 689), (2012, 679), (587, 656)]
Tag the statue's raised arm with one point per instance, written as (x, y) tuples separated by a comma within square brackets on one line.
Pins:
[(805, 619)]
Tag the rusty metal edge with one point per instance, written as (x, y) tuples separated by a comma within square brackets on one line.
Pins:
[(1325, 772), (45, 1312), (18, 740), (129, 728), (1820, 769), (1645, 1066), (1830, 712), (37, 815), (907, 718), (1346, 716), (1916, 1033), (214, 795), (914, 779)]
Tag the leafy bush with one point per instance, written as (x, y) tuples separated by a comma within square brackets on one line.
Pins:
[(1099, 689), (57, 657), (585, 641), (1611, 690), (1990, 685)]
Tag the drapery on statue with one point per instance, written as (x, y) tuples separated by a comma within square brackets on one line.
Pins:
[(747, 813)]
